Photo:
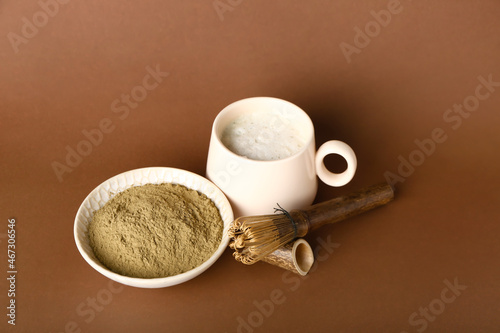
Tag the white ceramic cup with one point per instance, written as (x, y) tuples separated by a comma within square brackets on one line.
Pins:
[(255, 187)]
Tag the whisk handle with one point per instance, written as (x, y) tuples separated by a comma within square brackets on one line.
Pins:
[(342, 207)]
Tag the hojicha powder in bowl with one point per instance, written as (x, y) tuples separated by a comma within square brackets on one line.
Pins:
[(153, 227), (155, 230)]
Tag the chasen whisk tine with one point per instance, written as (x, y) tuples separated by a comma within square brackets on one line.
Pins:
[(256, 237)]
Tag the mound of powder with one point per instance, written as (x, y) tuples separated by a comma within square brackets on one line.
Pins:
[(154, 231)]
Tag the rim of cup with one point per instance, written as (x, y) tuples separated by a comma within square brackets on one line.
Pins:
[(219, 125)]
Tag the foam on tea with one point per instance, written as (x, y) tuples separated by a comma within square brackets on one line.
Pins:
[(263, 135)]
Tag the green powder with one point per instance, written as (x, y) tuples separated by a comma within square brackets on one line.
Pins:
[(154, 231)]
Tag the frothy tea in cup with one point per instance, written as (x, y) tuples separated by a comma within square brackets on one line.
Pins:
[(263, 136)]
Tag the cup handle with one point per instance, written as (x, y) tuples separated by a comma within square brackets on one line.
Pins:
[(342, 149)]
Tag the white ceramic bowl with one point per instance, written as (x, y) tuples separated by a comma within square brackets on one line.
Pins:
[(156, 175)]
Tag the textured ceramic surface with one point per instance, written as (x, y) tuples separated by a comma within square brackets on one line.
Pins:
[(156, 175)]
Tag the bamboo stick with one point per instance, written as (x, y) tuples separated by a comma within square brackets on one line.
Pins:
[(296, 256)]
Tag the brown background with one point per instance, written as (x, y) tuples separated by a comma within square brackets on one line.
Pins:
[(443, 225)]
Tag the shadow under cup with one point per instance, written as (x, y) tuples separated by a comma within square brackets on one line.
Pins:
[(256, 187)]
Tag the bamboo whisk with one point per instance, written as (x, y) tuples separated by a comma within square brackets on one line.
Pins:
[(253, 237)]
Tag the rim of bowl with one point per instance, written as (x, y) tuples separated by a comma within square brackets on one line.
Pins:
[(215, 194)]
